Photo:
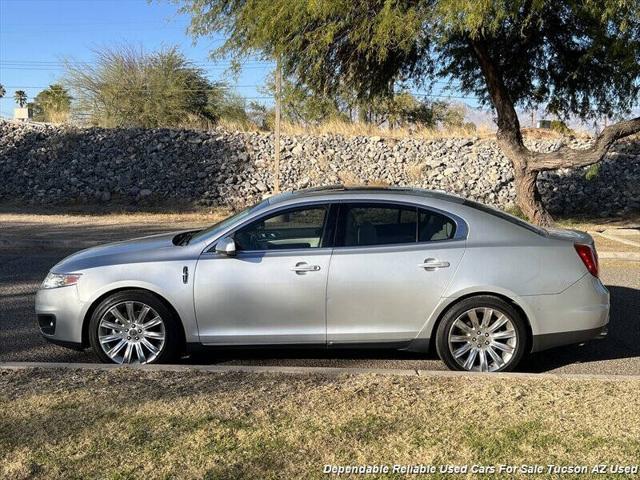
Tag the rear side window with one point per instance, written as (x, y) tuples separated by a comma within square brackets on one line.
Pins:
[(504, 216), (378, 225), (434, 226), (387, 224)]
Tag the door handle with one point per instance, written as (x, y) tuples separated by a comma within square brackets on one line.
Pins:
[(433, 264), (303, 267)]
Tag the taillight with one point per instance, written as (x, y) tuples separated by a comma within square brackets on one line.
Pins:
[(589, 257)]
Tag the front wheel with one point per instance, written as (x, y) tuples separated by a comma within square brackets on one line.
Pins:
[(482, 334), (133, 327)]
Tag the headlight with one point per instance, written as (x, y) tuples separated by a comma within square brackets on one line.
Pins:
[(55, 280)]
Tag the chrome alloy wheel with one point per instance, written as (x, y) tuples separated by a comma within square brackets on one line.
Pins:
[(131, 332), (482, 340)]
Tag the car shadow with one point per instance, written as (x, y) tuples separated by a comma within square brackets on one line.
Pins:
[(316, 357), (622, 341)]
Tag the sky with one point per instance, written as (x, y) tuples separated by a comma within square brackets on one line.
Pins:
[(36, 36)]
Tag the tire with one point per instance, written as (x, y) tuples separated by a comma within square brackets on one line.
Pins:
[(150, 338), (499, 345)]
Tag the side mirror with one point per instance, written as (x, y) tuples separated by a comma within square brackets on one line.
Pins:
[(226, 246)]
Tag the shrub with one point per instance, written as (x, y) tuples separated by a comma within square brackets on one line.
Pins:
[(592, 172), (52, 105), (128, 87)]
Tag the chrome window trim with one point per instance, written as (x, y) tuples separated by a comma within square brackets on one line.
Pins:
[(461, 233), (259, 215)]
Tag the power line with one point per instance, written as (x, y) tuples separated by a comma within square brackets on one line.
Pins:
[(144, 88), (57, 69), (89, 62)]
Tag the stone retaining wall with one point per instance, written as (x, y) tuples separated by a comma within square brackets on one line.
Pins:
[(44, 164)]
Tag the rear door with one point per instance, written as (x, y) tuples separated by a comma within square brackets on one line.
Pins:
[(390, 265)]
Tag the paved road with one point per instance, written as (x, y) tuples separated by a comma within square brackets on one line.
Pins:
[(21, 271)]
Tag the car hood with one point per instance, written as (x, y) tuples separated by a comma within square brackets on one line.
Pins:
[(574, 236), (143, 249)]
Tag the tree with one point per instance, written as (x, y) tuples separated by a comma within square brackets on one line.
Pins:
[(126, 87), (576, 57), (20, 97), (301, 105), (52, 104), (403, 108), (3, 92)]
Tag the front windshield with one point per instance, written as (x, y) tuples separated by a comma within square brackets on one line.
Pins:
[(227, 222)]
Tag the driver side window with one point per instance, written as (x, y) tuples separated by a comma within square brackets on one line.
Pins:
[(298, 228)]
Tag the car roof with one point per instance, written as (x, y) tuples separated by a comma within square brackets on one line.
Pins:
[(341, 190)]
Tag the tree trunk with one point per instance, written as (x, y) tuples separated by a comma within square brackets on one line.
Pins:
[(526, 163), (529, 200)]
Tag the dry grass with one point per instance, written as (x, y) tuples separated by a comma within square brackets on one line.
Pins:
[(134, 424), (116, 218), (352, 129), (608, 245), (237, 126), (585, 223), (349, 129), (548, 134)]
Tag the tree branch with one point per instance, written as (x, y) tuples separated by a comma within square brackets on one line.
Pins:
[(566, 157)]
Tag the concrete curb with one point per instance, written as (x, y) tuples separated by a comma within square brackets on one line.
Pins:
[(627, 256), (326, 371), (615, 238)]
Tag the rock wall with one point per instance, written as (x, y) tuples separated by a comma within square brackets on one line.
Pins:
[(44, 165)]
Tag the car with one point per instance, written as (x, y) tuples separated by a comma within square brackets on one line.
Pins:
[(335, 267)]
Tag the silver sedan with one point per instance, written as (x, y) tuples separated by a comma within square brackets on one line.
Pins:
[(335, 267)]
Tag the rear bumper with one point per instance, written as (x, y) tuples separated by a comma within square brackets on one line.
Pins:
[(551, 340), (578, 314)]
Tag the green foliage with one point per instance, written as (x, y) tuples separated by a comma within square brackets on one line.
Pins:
[(20, 98), (127, 87), (561, 127), (516, 211), (402, 109), (52, 104), (592, 172), (577, 57), (3, 92), (232, 108), (300, 105)]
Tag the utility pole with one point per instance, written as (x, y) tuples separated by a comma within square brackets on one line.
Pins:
[(276, 180)]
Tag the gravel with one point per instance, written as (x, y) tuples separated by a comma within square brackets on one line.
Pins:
[(218, 168)]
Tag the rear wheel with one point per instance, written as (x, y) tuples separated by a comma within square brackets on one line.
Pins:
[(133, 327), (482, 334)]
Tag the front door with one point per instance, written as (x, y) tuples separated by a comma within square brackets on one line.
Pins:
[(273, 291), (390, 266)]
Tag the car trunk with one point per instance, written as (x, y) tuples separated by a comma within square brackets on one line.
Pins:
[(573, 236)]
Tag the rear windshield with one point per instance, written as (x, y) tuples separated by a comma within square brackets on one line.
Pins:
[(504, 216)]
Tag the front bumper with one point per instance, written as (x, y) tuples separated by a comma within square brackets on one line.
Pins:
[(62, 308)]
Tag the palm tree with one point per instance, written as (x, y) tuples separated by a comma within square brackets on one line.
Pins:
[(20, 97), (2, 91), (52, 104)]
